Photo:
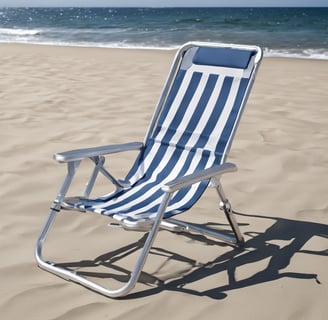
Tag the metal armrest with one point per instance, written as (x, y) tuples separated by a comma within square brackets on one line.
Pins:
[(79, 154), (210, 173)]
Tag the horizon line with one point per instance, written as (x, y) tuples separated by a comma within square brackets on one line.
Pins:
[(161, 7)]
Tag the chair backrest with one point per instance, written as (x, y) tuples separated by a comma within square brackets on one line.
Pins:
[(206, 99), (199, 110)]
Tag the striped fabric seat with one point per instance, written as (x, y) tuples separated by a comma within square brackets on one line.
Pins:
[(193, 132)]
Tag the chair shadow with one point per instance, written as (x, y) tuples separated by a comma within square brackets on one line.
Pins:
[(258, 247)]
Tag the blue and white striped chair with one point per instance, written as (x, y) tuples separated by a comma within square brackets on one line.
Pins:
[(185, 150)]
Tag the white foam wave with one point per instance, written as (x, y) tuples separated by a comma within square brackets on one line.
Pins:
[(316, 54), (27, 37), (19, 32)]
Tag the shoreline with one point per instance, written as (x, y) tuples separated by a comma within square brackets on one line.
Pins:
[(267, 53)]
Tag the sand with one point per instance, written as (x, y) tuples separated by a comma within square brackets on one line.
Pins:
[(60, 98)]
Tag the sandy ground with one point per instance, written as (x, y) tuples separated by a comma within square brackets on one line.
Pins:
[(56, 98)]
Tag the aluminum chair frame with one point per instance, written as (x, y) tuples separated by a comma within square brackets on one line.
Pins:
[(97, 156)]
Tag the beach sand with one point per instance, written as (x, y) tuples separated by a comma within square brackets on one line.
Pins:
[(59, 98)]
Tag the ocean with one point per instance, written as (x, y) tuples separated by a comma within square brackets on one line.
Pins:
[(283, 32)]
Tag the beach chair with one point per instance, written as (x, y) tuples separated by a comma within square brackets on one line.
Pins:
[(184, 152)]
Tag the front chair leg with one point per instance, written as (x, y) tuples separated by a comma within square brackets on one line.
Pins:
[(71, 275), (54, 210)]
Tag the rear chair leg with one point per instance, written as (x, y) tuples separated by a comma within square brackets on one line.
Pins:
[(226, 207), (236, 239)]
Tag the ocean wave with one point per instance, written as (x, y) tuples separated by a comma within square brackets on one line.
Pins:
[(19, 32), (316, 54), (284, 32)]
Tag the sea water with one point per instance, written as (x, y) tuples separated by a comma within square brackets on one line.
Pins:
[(288, 32)]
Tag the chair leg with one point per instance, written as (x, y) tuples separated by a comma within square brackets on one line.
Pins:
[(226, 207), (54, 210), (73, 276), (175, 225)]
